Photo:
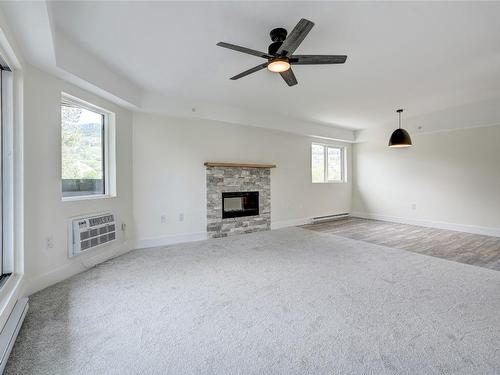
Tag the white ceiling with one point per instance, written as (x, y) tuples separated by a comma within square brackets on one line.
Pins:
[(422, 56)]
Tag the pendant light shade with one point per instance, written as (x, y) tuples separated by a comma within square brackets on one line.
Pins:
[(400, 137)]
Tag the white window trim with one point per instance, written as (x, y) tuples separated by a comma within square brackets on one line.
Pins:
[(12, 289), (109, 149), (7, 179), (343, 161)]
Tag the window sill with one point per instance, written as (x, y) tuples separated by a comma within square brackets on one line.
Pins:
[(86, 197)]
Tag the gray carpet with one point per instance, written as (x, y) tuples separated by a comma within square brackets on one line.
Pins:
[(290, 301)]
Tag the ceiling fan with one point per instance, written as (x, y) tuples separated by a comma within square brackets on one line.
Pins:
[(280, 55)]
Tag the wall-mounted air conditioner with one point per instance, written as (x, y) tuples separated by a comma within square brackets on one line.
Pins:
[(90, 231)]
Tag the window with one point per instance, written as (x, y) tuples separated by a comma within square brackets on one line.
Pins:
[(85, 133), (7, 172), (327, 163)]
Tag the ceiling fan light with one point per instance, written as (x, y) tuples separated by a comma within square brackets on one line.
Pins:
[(278, 66)]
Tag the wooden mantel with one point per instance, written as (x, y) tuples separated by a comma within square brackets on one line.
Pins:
[(238, 165)]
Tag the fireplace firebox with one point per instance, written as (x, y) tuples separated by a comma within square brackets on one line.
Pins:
[(238, 204)]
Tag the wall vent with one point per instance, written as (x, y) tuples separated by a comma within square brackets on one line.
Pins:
[(91, 231)]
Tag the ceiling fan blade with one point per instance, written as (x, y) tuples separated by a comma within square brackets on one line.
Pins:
[(296, 37), (249, 71), (289, 77), (244, 50), (317, 59)]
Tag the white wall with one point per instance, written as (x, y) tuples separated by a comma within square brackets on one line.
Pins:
[(45, 214), (452, 177), (169, 175)]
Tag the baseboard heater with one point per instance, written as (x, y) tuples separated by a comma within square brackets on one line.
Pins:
[(320, 219), (11, 329)]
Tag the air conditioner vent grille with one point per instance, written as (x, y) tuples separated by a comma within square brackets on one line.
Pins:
[(91, 231)]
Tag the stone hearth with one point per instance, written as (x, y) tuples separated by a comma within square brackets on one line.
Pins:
[(221, 179)]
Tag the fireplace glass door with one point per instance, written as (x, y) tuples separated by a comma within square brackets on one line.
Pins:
[(238, 204)]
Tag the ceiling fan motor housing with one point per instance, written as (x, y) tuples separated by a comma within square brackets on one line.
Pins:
[(273, 48), (277, 36)]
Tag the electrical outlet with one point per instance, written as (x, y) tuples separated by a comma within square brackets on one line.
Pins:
[(124, 228), (49, 242), (163, 218), (181, 217), (414, 206)]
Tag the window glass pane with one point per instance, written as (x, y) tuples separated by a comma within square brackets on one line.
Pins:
[(82, 151), (334, 164), (318, 163)]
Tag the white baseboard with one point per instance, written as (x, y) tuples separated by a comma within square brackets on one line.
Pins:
[(290, 223), (76, 265), (200, 236), (487, 231), (170, 239)]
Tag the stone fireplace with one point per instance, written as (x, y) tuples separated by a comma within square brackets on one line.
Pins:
[(238, 198)]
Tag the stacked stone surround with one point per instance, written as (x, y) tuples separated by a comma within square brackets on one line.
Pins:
[(229, 179)]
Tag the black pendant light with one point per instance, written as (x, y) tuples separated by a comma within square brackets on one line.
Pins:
[(400, 137)]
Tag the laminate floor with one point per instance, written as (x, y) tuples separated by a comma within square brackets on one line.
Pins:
[(474, 249)]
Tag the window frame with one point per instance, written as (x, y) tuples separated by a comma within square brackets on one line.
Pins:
[(343, 163), (108, 149), (2, 169), (7, 255)]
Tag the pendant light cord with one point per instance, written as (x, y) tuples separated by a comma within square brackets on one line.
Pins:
[(399, 111)]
